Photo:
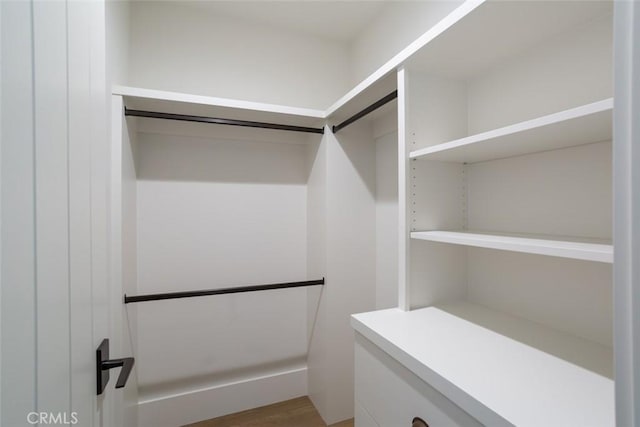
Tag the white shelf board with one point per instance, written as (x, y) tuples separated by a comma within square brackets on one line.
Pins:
[(208, 106), (496, 30), (376, 90), (383, 79), (501, 369), (589, 250), (577, 126)]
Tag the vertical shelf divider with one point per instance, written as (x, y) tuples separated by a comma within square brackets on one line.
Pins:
[(404, 183)]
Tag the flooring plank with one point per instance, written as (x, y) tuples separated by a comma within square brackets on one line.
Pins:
[(298, 412)]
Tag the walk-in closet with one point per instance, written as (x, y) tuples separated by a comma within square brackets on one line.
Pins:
[(370, 213), (461, 195)]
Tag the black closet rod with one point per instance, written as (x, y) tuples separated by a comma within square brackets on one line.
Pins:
[(234, 290), (217, 121), (379, 103)]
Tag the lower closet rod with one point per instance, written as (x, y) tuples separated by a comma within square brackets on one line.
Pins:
[(234, 290), (218, 121)]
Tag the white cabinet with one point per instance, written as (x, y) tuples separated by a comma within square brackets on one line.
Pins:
[(389, 395), (499, 368)]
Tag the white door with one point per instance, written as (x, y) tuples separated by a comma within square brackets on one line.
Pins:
[(56, 301)]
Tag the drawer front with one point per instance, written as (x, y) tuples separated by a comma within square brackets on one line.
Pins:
[(362, 417), (392, 395)]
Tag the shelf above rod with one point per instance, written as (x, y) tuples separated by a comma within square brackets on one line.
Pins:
[(583, 249), (219, 121), (379, 103), (581, 125), (234, 290)]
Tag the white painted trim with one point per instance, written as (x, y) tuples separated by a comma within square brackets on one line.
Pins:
[(404, 182), (81, 71), (539, 245), (395, 62), (581, 125), (202, 404), (626, 154), (162, 95)]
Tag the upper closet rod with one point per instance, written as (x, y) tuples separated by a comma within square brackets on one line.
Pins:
[(213, 120), (379, 103)]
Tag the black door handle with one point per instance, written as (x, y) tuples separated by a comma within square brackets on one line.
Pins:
[(127, 365), (103, 364)]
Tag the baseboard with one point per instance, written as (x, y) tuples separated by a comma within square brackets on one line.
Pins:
[(190, 407)]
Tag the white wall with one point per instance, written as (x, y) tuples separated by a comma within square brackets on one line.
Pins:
[(118, 32), (561, 192), (397, 25), (317, 224), (176, 46), (549, 78), (212, 213)]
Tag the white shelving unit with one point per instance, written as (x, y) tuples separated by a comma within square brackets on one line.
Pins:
[(501, 369), (577, 126), (540, 245), (505, 124), (510, 138)]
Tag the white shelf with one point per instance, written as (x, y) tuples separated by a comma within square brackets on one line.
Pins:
[(384, 78), (499, 368), (577, 126), (197, 105), (373, 91), (588, 250)]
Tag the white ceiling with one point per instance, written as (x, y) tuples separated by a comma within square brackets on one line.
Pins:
[(338, 20)]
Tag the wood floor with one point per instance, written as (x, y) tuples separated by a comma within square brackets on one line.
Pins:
[(298, 412)]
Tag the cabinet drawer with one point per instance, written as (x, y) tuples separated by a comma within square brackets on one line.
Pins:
[(362, 417), (392, 395)]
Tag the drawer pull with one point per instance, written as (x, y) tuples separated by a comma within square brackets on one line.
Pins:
[(419, 422)]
